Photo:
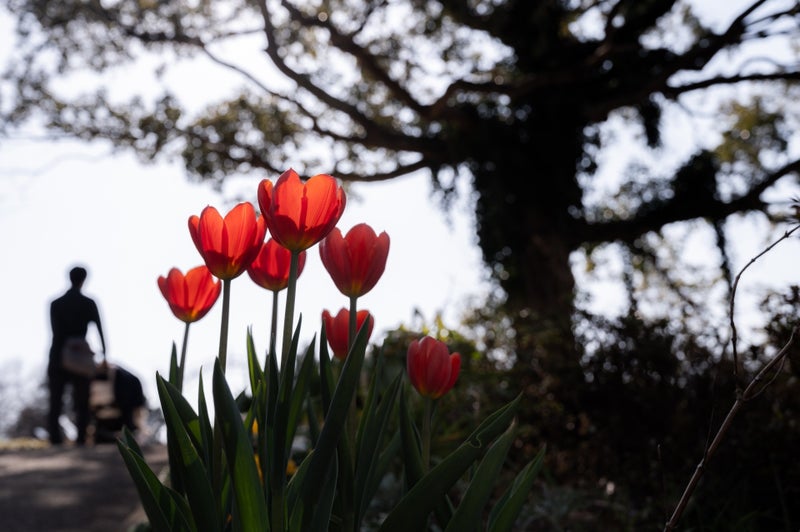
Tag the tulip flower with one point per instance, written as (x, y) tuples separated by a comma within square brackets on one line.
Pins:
[(356, 261), (228, 245), (300, 214), (190, 296), (431, 368), (270, 268), (337, 329)]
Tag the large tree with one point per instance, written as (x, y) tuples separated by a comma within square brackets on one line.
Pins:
[(517, 96)]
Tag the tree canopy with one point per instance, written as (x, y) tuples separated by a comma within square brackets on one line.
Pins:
[(521, 98)]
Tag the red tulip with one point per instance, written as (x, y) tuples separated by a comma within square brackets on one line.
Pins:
[(190, 296), (355, 261), (228, 245), (337, 329), (270, 269), (300, 214), (431, 368)]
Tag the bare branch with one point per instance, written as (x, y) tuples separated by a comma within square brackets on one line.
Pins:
[(376, 134), (400, 170), (673, 92), (629, 229), (365, 59), (786, 235), (749, 393)]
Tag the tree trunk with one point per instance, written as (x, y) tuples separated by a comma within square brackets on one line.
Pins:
[(526, 230)]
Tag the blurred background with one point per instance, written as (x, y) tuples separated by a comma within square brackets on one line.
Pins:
[(571, 189)]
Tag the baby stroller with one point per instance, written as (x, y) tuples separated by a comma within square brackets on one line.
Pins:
[(116, 400)]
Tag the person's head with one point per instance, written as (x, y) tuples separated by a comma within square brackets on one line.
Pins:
[(77, 276)]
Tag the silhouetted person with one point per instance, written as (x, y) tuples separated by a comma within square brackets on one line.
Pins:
[(70, 316)]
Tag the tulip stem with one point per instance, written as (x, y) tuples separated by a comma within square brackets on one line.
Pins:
[(353, 323), (273, 329), (352, 421), (223, 331), (288, 318), (426, 433), (182, 365)]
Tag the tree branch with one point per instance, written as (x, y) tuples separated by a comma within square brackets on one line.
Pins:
[(368, 61), (673, 92), (373, 133), (629, 230), (749, 393), (400, 170)]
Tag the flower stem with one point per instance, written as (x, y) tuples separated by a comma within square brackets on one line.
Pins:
[(352, 420), (182, 365), (288, 318), (353, 323), (273, 329), (426, 433), (223, 331)]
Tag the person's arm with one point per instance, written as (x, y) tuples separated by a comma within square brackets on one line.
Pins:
[(100, 330)]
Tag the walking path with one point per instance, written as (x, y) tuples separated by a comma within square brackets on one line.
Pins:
[(70, 489)]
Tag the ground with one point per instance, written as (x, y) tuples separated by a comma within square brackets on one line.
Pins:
[(69, 489)]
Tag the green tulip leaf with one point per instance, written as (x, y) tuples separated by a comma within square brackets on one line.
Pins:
[(313, 422), (333, 427), (480, 487), (130, 442), (204, 424), (185, 413), (372, 398), (321, 516), (174, 373), (507, 509), (412, 511), (279, 428), (196, 478), (327, 381), (368, 455), (161, 505), (298, 396), (249, 500), (253, 367), (293, 487), (412, 458)]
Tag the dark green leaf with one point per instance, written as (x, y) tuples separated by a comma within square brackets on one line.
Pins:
[(469, 510), (161, 504), (507, 509), (196, 478), (248, 495), (413, 509)]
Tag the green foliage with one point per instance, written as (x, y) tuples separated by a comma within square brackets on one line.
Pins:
[(236, 475)]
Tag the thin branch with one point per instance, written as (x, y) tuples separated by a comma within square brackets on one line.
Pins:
[(364, 58), (734, 338), (695, 59), (672, 92), (378, 135), (742, 398), (398, 171), (628, 230), (239, 70)]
